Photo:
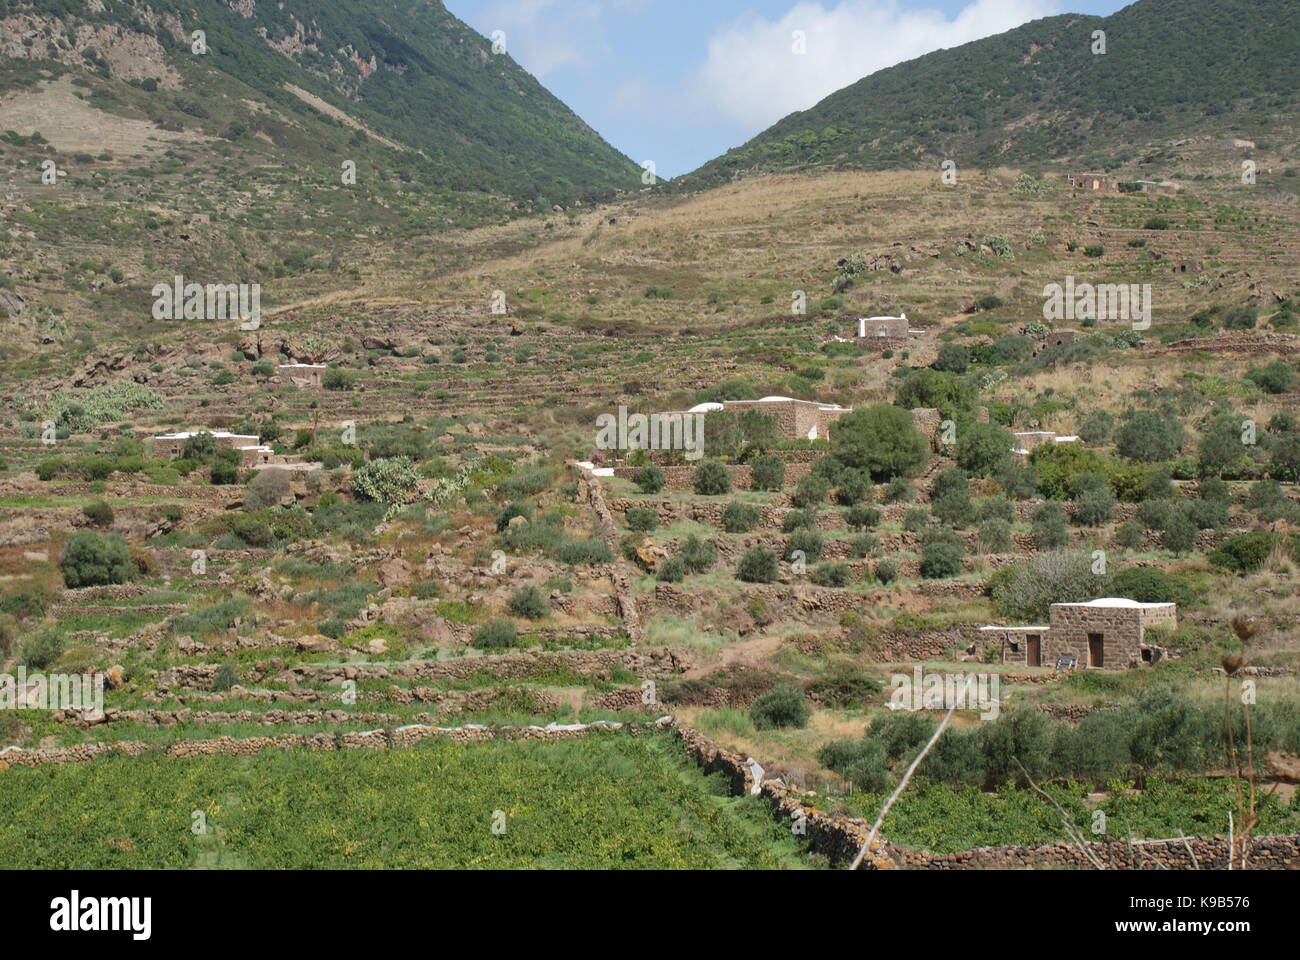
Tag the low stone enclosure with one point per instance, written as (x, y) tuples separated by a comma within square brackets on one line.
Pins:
[(1108, 633)]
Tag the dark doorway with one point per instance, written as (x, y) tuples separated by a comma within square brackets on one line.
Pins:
[(1096, 650), (1034, 652)]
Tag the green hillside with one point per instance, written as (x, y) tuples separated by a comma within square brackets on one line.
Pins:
[(455, 115), (1172, 68)]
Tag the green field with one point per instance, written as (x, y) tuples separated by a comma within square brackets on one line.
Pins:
[(595, 803)]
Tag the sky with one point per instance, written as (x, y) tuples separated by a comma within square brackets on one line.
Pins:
[(678, 82)]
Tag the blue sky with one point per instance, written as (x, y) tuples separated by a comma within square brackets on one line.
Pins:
[(678, 82)]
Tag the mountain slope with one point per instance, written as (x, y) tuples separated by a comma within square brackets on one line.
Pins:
[(1171, 67), (305, 74)]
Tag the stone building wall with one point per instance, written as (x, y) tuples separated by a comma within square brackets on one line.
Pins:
[(1122, 629)]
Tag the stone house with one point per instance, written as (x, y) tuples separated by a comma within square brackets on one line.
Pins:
[(305, 375), (1026, 441), (795, 419), (253, 454), (1105, 634), (889, 328), (170, 445), (1058, 337), (1091, 181)]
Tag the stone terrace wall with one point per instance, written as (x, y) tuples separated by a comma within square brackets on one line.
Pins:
[(367, 740), (680, 478), (650, 662)]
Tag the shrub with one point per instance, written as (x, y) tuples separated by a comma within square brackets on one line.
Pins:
[(952, 358), (529, 603), (757, 565), (1049, 526), (496, 635), (672, 570), (853, 488), (831, 575), (984, 449), (1179, 533), (1096, 428), (711, 479), (898, 491), (698, 555), (95, 559), (779, 708), (881, 440), (798, 520), (861, 762), (739, 517), (1151, 585), (42, 648), (1150, 436), (1094, 506), (844, 685), (1274, 378), (224, 678), (804, 539), (515, 508), (1130, 535), (336, 379), (649, 479), (99, 513), (995, 535), (1244, 553), (862, 517), (810, 491), (886, 571), (1025, 591), (941, 557), (641, 519), (268, 488), (767, 473), (584, 552)]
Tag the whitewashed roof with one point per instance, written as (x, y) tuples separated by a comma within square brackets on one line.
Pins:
[(1116, 602)]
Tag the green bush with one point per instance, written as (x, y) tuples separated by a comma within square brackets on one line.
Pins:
[(1244, 553), (862, 517), (1049, 526), (641, 519), (757, 565), (739, 517), (711, 479), (881, 440), (224, 678), (941, 558), (672, 570), (99, 513), (649, 479), (861, 762), (807, 540), (780, 708), (811, 491), (767, 472), (984, 449), (831, 575), (496, 635), (698, 555), (886, 571), (844, 685), (95, 559), (42, 648), (529, 603), (1094, 506)]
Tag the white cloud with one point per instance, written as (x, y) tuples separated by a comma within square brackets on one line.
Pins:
[(752, 78), (547, 35)]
